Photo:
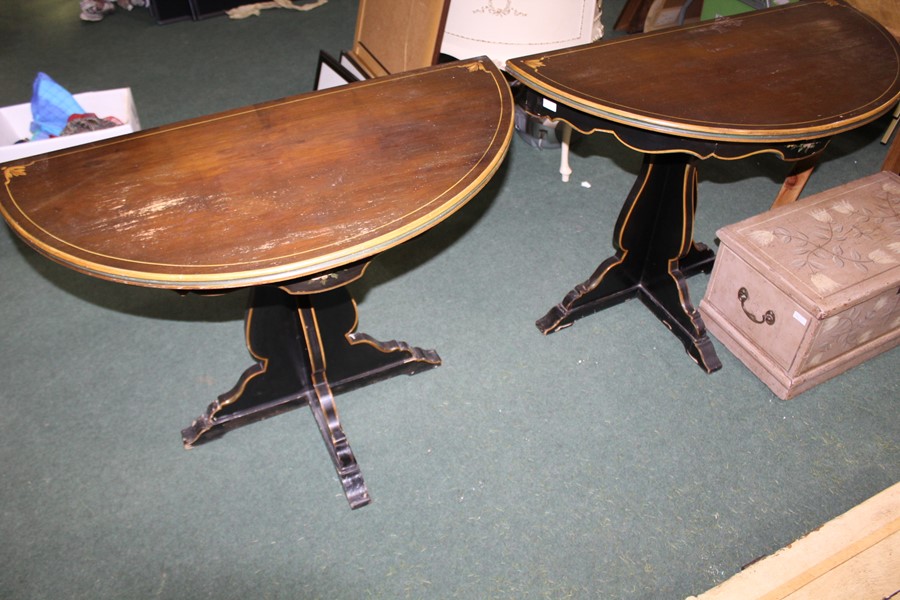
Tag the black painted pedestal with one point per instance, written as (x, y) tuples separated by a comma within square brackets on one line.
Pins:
[(303, 339), (653, 238)]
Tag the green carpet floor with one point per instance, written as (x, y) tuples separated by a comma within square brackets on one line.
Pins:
[(597, 462)]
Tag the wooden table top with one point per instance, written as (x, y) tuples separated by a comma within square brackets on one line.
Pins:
[(270, 192), (801, 71)]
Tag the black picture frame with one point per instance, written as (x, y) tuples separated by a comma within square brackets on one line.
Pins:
[(349, 62), (330, 73)]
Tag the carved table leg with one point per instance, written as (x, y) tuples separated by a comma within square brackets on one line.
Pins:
[(306, 349), (654, 247)]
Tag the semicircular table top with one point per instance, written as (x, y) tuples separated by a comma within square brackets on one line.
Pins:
[(271, 192), (800, 71)]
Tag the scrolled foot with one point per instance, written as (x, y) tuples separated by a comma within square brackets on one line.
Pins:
[(704, 354), (355, 490)]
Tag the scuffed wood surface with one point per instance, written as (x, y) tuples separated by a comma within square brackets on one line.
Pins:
[(269, 192), (800, 71)]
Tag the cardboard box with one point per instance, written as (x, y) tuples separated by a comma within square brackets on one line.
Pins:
[(15, 124)]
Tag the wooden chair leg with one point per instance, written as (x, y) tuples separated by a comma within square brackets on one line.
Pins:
[(892, 126), (795, 181), (892, 160)]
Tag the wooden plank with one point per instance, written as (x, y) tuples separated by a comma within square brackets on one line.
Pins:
[(870, 574), (393, 36), (631, 19), (892, 160), (855, 555)]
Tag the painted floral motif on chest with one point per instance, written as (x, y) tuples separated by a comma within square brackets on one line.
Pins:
[(855, 327), (835, 244), (507, 10)]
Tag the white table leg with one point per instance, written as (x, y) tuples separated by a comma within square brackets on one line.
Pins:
[(564, 169)]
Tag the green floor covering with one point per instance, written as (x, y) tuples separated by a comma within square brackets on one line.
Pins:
[(598, 462)]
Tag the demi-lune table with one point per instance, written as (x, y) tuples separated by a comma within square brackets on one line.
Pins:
[(782, 80), (292, 198)]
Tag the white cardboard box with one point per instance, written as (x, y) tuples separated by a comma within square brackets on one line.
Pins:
[(15, 124)]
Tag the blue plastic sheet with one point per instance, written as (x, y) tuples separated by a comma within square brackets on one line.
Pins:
[(51, 107)]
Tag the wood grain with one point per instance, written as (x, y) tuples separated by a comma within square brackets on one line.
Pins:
[(269, 192), (801, 71), (856, 555), (393, 36)]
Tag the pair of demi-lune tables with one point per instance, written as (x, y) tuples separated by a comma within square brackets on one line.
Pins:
[(293, 198)]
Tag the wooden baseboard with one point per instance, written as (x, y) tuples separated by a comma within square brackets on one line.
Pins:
[(855, 555)]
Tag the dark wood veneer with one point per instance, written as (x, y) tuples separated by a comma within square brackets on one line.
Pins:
[(782, 81), (293, 198)]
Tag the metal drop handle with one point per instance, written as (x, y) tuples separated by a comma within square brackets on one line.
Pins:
[(768, 317)]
